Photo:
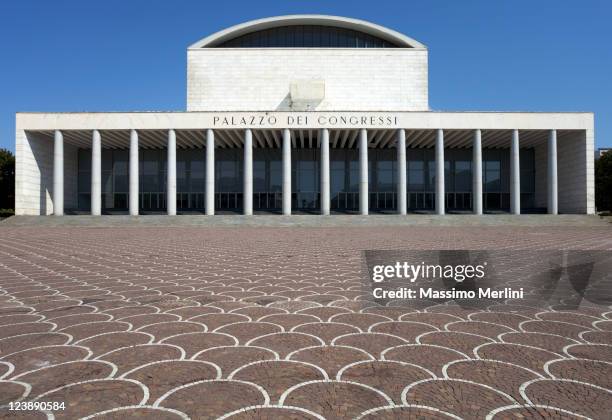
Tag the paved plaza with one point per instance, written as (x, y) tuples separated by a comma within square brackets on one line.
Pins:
[(151, 318)]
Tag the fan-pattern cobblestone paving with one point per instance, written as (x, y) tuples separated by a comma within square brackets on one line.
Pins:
[(268, 323)]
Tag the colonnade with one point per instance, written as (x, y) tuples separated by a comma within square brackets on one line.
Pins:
[(477, 194)]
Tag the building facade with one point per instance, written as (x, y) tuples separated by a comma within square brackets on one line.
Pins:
[(305, 113)]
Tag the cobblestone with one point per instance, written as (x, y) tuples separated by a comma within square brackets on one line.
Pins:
[(270, 321)]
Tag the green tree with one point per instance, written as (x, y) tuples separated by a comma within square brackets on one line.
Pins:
[(7, 179), (603, 182)]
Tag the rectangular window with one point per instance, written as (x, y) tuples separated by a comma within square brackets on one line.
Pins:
[(463, 176), (120, 173), (416, 175), (431, 175), (259, 176), (276, 175), (337, 176), (149, 178), (527, 166), (182, 177), (307, 176), (492, 175), (354, 175), (84, 182), (385, 175), (198, 176), (227, 176)]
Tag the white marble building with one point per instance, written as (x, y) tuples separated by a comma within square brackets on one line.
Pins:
[(305, 113)]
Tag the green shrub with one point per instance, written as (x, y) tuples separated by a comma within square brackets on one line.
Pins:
[(7, 179), (7, 212)]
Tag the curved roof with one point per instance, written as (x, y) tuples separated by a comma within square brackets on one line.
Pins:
[(235, 31)]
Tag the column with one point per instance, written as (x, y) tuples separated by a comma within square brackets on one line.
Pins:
[(286, 172), (134, 173), (402, 203), (364, 192), (515, 174), (210, 172), (440, 194), (325, 194), (477, 172), (58, 174), (247, 191), (96, 174), (553, 204), (171, 173)]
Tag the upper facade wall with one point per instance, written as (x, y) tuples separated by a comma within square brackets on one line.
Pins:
[(261, 79), (307, 63)]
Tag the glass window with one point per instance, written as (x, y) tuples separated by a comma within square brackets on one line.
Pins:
[(84, 159), (354, 175), (309, 36), (416, 175), (107, 160), (259, 176), (385, 165), (121, 183), (107, 182), (386, 181), (84, 179), (84, 202), (181, 181), (492, 175), (84, 182), (463, 176), (121, 201), (337, 176), (447, 173), (527, 182), (197, 176), (227, 176), (385, 175), (181, 167), (527, 165), (276, 175), (431, 175), (120, 171), (307, 176), (149, 178)]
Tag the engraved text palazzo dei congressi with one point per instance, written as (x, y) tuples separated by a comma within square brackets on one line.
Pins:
[(304, 120)]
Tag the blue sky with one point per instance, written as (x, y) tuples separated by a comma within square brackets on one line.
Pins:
[(125, 55)]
